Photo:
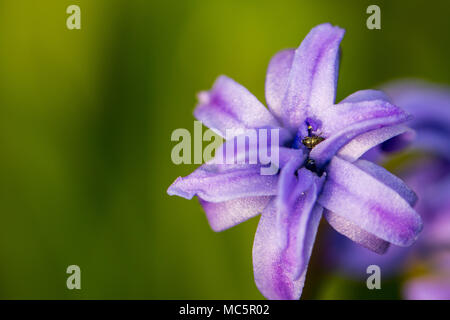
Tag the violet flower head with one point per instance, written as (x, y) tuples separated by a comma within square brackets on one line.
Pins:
[(319, 171)]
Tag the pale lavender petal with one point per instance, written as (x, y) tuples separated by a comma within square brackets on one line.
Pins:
[(217, 182), (366, 141), (428, 288), (312, 81), (369, 203), (340, 116), (277, 80), (214, 184), (230, 106), (226, 191), (290, 186), (294, 185), (355, 233), (255, 146), (226, 214), (287, 154), (282, 247), (390, 180), (366, 95), (346, 121)]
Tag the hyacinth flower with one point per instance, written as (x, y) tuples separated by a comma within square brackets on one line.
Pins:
[(319, 171), (428, 174)]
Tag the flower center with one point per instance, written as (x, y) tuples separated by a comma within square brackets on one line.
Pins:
[(310, 141)]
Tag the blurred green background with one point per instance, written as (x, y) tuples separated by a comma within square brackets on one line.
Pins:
[(85, 124)]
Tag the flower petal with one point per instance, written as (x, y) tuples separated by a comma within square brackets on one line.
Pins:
[(255, 146), (366, 95), (366, 141), (226, 214), (369, 203), (277, 80), (390, 180), (213, 183), (313, 76), (226, 191), (290, 186), (230, 106), (346, 121), (283, 245), (355, 233), (218, 181)]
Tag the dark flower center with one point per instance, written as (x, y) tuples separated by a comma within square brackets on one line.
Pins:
[(310, 141)]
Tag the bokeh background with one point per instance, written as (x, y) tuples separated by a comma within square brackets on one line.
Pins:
[(85, 123)]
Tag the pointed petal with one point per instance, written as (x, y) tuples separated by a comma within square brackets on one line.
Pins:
[(366, 141), (355, 233), (255, 146), (390, 180), (366, 95), (313, 77), (346, 121), (227, 214), (214, 184), (277, 80), (230, 106), (369, 203), (217, 181), (290, 186), (283, 246)]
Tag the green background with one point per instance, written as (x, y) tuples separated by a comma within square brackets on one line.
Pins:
[(85, 123)]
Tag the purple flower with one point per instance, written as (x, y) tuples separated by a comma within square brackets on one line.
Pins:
[(428, 288), (429, 176), (318, 159)]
